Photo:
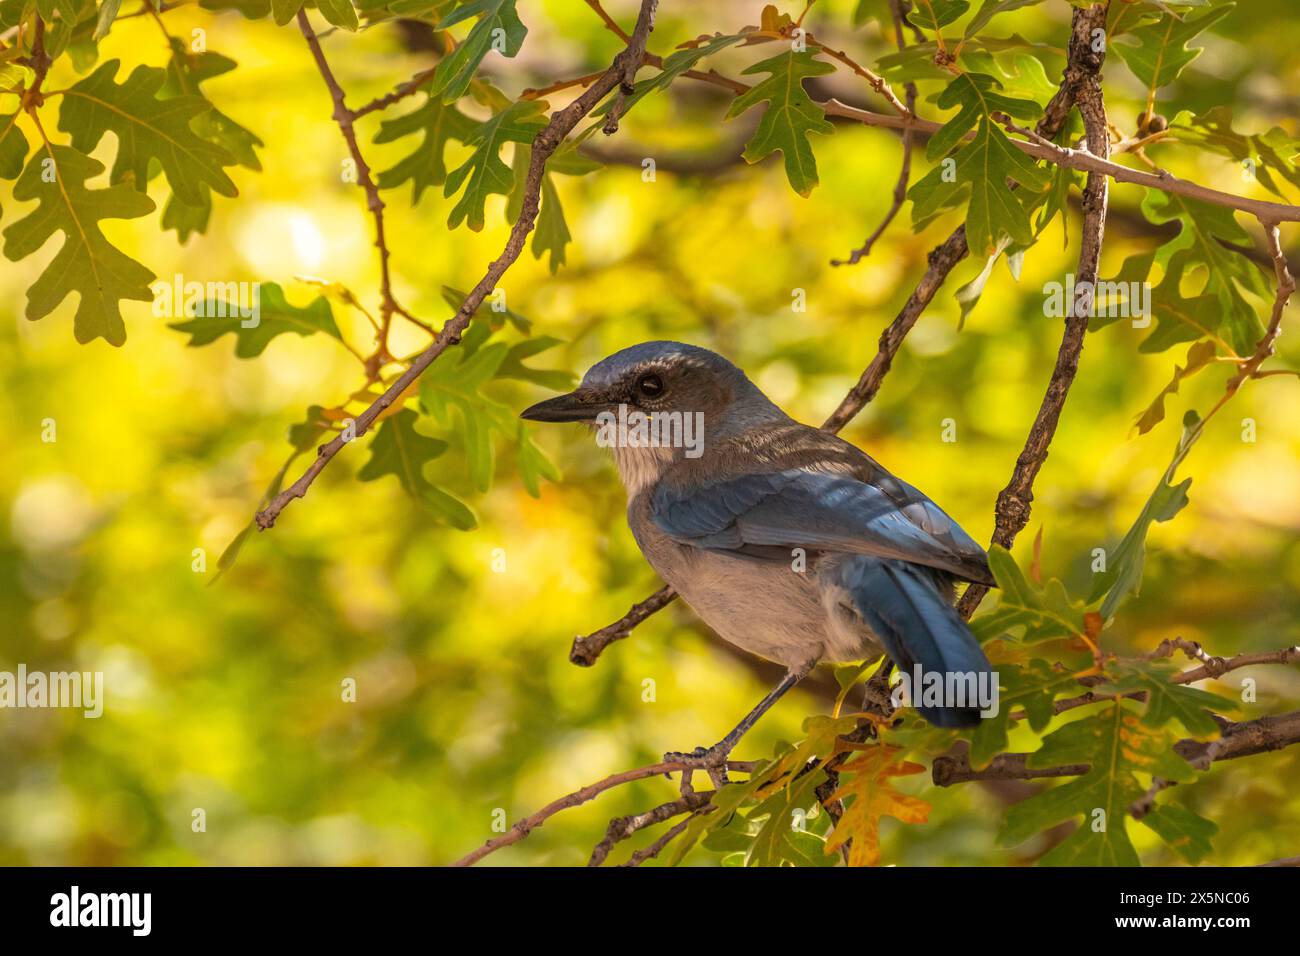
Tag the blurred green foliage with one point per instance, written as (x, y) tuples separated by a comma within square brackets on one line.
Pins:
[(229, 696)]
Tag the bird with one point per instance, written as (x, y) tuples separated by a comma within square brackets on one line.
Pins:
[(786, 540)]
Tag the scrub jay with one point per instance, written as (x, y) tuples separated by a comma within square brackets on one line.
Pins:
[(785, 539)]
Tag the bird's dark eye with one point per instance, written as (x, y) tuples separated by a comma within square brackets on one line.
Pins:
[(650, 386)]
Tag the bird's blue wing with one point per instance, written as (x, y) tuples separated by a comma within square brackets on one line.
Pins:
[(818, 511)]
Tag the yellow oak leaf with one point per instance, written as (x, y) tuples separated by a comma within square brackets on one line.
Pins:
[(872, 797)]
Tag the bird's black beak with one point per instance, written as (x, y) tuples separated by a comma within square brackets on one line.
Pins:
[(579, 406)]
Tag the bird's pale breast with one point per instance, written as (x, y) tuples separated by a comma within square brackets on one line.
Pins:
[(776, 609)]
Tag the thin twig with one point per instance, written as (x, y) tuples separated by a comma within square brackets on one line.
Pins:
[(1240, 739), (1085, 161), (876, 82), (1082, 74), (344, 117), (655, 848), (1216, 667), (579, 797), (1054, 115), (401, 92), (941, 261), (621, 828), (546, 143), (905, 170), (586, 650)]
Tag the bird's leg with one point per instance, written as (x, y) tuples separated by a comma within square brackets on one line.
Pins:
[(877, 701), (714, 759)]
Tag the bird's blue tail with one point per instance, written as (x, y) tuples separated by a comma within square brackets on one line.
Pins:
[(903, 605)]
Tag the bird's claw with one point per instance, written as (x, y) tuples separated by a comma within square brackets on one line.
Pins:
[(712, 760)]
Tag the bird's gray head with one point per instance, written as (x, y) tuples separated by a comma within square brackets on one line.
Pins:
[(683, 395)]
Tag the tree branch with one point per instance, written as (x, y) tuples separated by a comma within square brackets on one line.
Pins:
[(621, 828), (403, 90), (1216, 667), (586, 650), (655, 848), (1212, 669), (344, 117), (1082, 76), (580, 796), (1057, 108), (1243, 739), (546, 143), (905, 170), (940, 262)]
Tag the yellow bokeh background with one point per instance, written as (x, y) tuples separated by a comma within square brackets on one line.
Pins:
[(226, 697)]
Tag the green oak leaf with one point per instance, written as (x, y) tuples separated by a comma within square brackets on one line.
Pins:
[(399, 450), (69, 32), (977, 95), (13, 147), (998, 216), (87, 263), (276, 316), (1035, 687), (1167, 701), (1268, 154), (532, 462), (1123, 574), (448, 384), (728, 801), (512, 366), (674, 65), (990, 9), (107, 14), (1020, 75), (1045, 613), (551, 232), (968, 296), (934, 14), (492, 320), (1159, 51), (285, 10), (1117, 747), (147, 129), (982, 168), (1205, 275), (1187, 833), (917, 61), (498, 27), (338, 12), (67, 10), (1199, 356), (484, 173), (913, 62), (418, 9), (790, 116), (820, 740), (776, 840), (185, 72), (438, 123), (1124, 18), (249, 9)]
